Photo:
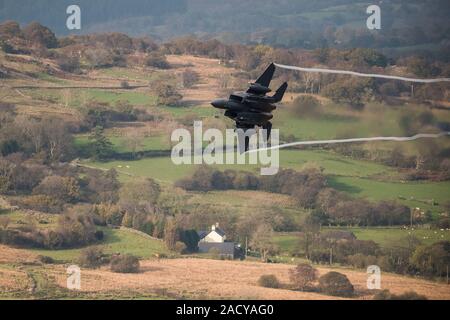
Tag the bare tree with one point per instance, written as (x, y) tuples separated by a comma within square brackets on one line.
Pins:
[(6, 171), (262, 241), (32, 130), (190, 78), (302, 276), (134, 139), (4, 222), (57, 138)]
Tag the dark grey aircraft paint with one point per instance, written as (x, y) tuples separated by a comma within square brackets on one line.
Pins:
[(253, 107)]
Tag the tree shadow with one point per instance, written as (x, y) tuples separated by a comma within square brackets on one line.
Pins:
[(344, 186)]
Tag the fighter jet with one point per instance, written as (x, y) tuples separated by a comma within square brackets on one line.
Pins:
[(253, 107)]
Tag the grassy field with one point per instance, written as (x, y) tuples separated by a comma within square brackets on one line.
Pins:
[(79, 97), (389, 237), (338, 121), (128, 74), (331, 163), (385, 237), (352, 176), (115, 241), (120, 143), (424, 195), (160, 168)]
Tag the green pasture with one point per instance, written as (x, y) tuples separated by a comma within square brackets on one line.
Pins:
[(115, 241)]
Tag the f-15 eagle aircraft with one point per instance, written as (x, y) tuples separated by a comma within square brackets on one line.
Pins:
[(253, 107)]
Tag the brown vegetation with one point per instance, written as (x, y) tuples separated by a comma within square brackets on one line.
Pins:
[(233, 279)]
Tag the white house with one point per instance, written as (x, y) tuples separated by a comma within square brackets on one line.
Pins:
[(215, 239), (215, 235)]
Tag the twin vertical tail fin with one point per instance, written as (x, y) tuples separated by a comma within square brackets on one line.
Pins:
[(265, 79), (278, 96)]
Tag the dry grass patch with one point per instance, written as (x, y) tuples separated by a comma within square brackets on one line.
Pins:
[(12, 255), (197, 278)]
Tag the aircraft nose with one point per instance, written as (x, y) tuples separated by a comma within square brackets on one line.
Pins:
[(219, 103)]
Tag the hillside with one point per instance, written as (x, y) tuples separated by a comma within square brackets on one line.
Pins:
[(418, 26), (85, 143)]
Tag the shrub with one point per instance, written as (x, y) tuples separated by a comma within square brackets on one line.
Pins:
[(190, 78), (10, 29), (361, 261), (109, 214), (190, 238), (76, 227), (99, 235), (390, 89), (157, 60), (306, 105), (409, 295), (432, 260), (352, 247), (91, 257), (350, 91), (167, 94), (46, 259), (180, 247), (99, 58), (124, 85), (42, 203), (39, 35), (65, 189), (125, 264), (442, 223), (51, 239), (269, 281), (9, 146), (4, 222), (302, 276), (68, 64), (319, 256), (336, 284)]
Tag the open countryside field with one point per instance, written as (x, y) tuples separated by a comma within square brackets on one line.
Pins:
[(331, 163), (358, 178), (115, 241), (189, 278), (346, 174), (81, 97), (428, 196), (385, 237)]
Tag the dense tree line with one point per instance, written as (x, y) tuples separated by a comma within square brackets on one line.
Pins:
[(118, 49), (73, 229), (310, 24), (53, 14)]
